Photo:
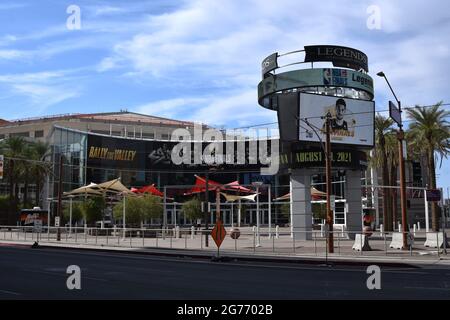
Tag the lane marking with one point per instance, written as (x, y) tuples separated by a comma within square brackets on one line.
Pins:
[(10, 292)]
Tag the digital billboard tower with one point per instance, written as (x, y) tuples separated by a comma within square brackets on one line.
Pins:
[(320, 93)]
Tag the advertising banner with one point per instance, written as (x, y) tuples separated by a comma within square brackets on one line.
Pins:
[(352, 121), (306, 78)]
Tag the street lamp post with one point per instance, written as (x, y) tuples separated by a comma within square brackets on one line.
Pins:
[(400, 137), (257, 185)]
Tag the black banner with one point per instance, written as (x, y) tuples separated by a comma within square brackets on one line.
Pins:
[(298, 156), (121, 153), (339, 56), (270, 63)]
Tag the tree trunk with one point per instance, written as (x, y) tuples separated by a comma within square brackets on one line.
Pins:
[(38, 191), (25, 190), (11, 190), (432, 184)]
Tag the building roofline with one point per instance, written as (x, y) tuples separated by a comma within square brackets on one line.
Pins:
[(90, 116)]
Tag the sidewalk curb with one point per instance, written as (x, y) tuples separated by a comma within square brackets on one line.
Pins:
[(227, 257)]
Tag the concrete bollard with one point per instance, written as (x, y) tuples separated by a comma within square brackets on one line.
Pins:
[(381, 230), (399, 227), (414, 230), (254, 229), (277, 232), (418, 226), (177, 231), (192, 232), (322, 230)]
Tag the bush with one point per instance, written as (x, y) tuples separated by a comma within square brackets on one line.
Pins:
[(93, 209), (139, 209), (77, 212), (192, 209)]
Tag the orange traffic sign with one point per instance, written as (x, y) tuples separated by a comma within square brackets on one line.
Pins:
[(218, 233)]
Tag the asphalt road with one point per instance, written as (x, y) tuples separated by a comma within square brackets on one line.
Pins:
[(27, 273)]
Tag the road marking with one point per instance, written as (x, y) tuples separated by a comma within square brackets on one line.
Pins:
[(10, 292)]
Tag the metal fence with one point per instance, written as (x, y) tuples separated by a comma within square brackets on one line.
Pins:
[(278, 241)]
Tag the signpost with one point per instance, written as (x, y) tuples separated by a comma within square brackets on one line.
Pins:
[(218, 234), (433, 195), (1, 166), (394, 113)]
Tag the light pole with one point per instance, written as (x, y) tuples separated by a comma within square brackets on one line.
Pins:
[(257, 184), (400, 137)]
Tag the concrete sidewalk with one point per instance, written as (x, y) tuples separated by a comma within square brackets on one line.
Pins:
[(399, 260)]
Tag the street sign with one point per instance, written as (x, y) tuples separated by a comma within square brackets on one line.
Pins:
[(394, 113), (332, 202), (218, 233), (434, 195), (56, 221), (1, 166), (37, 225)]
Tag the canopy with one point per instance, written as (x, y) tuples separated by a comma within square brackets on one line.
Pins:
[(151, 189), (200, 186), (115, 186), (235, 186), (315, 194), (232, 197), (90, 189)]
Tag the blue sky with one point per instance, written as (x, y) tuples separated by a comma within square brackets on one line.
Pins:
[(200, 60)]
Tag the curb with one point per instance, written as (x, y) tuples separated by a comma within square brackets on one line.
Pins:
[(227, 257)]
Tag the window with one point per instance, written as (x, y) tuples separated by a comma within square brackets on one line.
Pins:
[(20, 134), (147, 135), (39, 133), (165, 136)]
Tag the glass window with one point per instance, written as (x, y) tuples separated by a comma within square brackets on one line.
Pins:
[(39, 133)]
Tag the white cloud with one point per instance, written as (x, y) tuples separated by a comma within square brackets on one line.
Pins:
[(42, 89), (13, 54), (234, 110), (45, 96)]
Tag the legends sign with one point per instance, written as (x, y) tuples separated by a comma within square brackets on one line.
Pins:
[(339, 56)]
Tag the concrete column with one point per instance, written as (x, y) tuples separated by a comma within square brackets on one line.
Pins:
[(353, 197), (301, 213)]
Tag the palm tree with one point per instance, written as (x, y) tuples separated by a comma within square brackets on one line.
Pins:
[(13, 148), (430, 132), (383, 127), (39, 169), (391, 148)]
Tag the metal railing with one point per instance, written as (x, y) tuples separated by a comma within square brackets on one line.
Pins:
[(278, 241)]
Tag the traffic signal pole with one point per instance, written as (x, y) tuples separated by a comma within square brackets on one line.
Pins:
[(328, 183)]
